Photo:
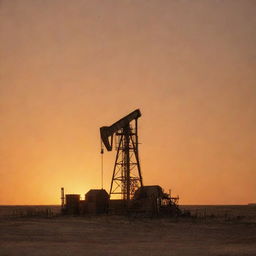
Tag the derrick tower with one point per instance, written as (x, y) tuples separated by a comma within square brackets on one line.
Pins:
[(126, 176)]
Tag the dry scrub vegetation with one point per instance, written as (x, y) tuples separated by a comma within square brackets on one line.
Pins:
[(115, 235)]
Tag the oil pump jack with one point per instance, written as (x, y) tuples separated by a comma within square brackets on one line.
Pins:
[(126, 178)]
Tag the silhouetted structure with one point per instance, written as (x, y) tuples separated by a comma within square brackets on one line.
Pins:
[(127, 173), (62, 199), (151, 200), (97, 201), (72, 204), (126, 179)]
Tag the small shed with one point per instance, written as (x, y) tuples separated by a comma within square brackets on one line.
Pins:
[(147, 200), (72, 204), (146, 192), (97, 201)]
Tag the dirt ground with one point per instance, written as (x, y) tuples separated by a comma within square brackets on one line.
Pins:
[(112, 235)]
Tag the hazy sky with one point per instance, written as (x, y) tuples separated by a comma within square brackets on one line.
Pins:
[(69, 67)]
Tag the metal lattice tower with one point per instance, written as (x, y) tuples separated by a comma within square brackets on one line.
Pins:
[(127, 173)]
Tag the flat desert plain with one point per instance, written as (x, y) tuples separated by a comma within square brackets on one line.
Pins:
[(117, 235)]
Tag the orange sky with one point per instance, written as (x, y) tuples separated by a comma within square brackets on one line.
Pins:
[(69, 67)]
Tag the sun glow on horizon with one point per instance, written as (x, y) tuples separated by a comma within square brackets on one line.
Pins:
[(69, 68)]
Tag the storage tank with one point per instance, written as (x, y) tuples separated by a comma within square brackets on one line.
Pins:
[(72, 204)]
